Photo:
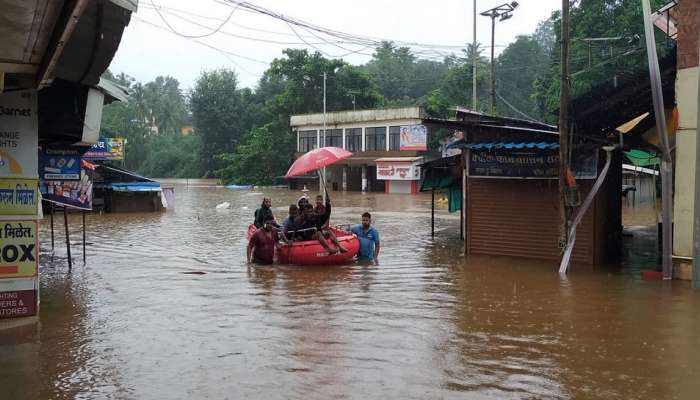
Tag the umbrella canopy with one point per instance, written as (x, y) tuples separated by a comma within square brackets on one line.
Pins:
[(316, 159)]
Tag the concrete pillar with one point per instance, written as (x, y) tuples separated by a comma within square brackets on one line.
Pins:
[(363, 145), (386, 139), (343, 145), (345, 178), (364, 178)]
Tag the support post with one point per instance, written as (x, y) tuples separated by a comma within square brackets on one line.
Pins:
[(696, 203), (564, 122), (322, 175), (493, 65), (84, 255), (52, 236), (474, 107), (666, 162), (432, 213), (65, 223), (345, 178), (364, 178)]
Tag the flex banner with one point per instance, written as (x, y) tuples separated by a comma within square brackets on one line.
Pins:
[(19, 134), (19, 249), (19, 196)]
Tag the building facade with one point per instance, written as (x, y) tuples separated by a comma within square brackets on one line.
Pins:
[(388, 145)]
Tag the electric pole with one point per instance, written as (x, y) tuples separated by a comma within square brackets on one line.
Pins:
[(474, 108), (322, 175), (564, 122)]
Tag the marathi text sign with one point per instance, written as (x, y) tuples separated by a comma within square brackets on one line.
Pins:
[(60, 163), (413, 137), (19, 249), (18, 298), (529, 164), (19, 196), (398, 171), (19, 135), (106, 149)]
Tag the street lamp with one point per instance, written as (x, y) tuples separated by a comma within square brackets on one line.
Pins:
[(503, 12)]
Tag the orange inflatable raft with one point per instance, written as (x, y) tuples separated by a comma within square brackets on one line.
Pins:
[(311, 252)]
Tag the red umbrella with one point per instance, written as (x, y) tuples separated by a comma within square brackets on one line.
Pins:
[(316, 159)]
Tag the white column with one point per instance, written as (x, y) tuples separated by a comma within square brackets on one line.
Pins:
[(364, 178), (318, 138), (345, 178), (386, 139), (363, 140), (342, 145)]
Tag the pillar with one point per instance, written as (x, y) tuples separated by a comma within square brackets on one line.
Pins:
[(364, 178), (345, 178)]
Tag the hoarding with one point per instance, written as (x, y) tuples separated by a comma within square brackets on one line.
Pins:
[(19, 135), (60, 163), (397, 171), (18, 298), (543, 164), (76, 194), (19, 196), (19, 249), (106, 150), (413, 137)]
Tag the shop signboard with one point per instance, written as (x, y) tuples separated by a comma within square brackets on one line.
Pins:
[(19, 248), (19, 196), (70, 193), (397, 171), (413, 137), (533, 164), (18, 298), (109, 149), (60, 163), (19, 136)]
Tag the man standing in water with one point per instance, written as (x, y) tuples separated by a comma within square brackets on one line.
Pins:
[(263, 213), (369, 239), (261, 246)]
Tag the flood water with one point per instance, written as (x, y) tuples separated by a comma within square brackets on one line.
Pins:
[(134, 323)]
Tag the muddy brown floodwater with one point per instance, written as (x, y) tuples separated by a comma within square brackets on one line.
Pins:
[(425, 324)]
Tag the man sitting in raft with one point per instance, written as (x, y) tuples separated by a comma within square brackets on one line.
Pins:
[(289, 224), (308, 227), (320, 210), (263, 213), (261, 246), (369, 239)]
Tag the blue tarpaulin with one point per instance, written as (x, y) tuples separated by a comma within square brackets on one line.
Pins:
[(509, 146), (135, 186)]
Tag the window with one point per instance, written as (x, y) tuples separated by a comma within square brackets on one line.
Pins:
[(394, 141), (375, 139), (307, 141), (353, 139), (334, 138)]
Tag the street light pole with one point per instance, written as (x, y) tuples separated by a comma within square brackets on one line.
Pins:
[(504, 12), (322, 175), (474, 61)]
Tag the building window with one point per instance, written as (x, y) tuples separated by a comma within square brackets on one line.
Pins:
[(375, 139), (307, 141), (394, 141), (334, 138), (353, 139)]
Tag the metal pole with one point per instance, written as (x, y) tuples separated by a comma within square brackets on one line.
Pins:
[(696, 205), (666, 162), (564, 122), (52, 237), (432, 213), (84, 256), (474, 61), (65, 223), (493, 65), (322, 175)]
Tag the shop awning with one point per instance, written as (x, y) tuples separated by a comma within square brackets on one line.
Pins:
[(641, 158), (503, 145)]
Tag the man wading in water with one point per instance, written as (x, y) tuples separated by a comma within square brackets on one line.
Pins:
[(369, 239), (261, 246)]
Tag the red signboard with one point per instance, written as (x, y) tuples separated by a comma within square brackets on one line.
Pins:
[(21, 303)]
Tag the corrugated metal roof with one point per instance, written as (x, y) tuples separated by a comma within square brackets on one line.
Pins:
[(503, 145)]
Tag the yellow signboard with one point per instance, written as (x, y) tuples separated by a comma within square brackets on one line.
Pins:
[(19, 249), (19, 196)]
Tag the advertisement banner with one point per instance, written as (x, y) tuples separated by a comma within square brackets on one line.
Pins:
[(413, 137), (501, 163), (19, 249), (76, 194), (19, 134), (106, 150), (398, 171), (60, 163), (18, 298), (19, 196)]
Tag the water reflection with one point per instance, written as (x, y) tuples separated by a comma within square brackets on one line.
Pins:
[(426, 323)]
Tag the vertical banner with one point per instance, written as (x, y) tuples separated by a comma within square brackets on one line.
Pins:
[(413, 137), (19, 135)]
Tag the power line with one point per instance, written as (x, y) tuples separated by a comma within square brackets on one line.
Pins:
[(214, 31)]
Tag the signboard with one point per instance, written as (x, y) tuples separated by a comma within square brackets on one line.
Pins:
[(398, 171), (19, 196), (413, 137), (76, 194), (60, 163), (18, 298), (446, 142), (19, 135), (541, 164), (106, 149), (19, 249)]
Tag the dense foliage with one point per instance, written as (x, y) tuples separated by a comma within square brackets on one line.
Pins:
[(243, 136)]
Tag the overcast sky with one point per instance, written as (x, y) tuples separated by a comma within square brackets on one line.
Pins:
[(147, 51)]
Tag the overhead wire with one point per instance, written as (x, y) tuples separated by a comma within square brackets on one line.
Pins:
[(214, 31)]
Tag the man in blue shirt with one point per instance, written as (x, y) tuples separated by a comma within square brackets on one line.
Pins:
[(369, 239)]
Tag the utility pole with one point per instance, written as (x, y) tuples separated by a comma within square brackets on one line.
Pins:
[(564, 121), (504, 12), (696, 204), (322, 175), (474, 107), (666, 161)]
